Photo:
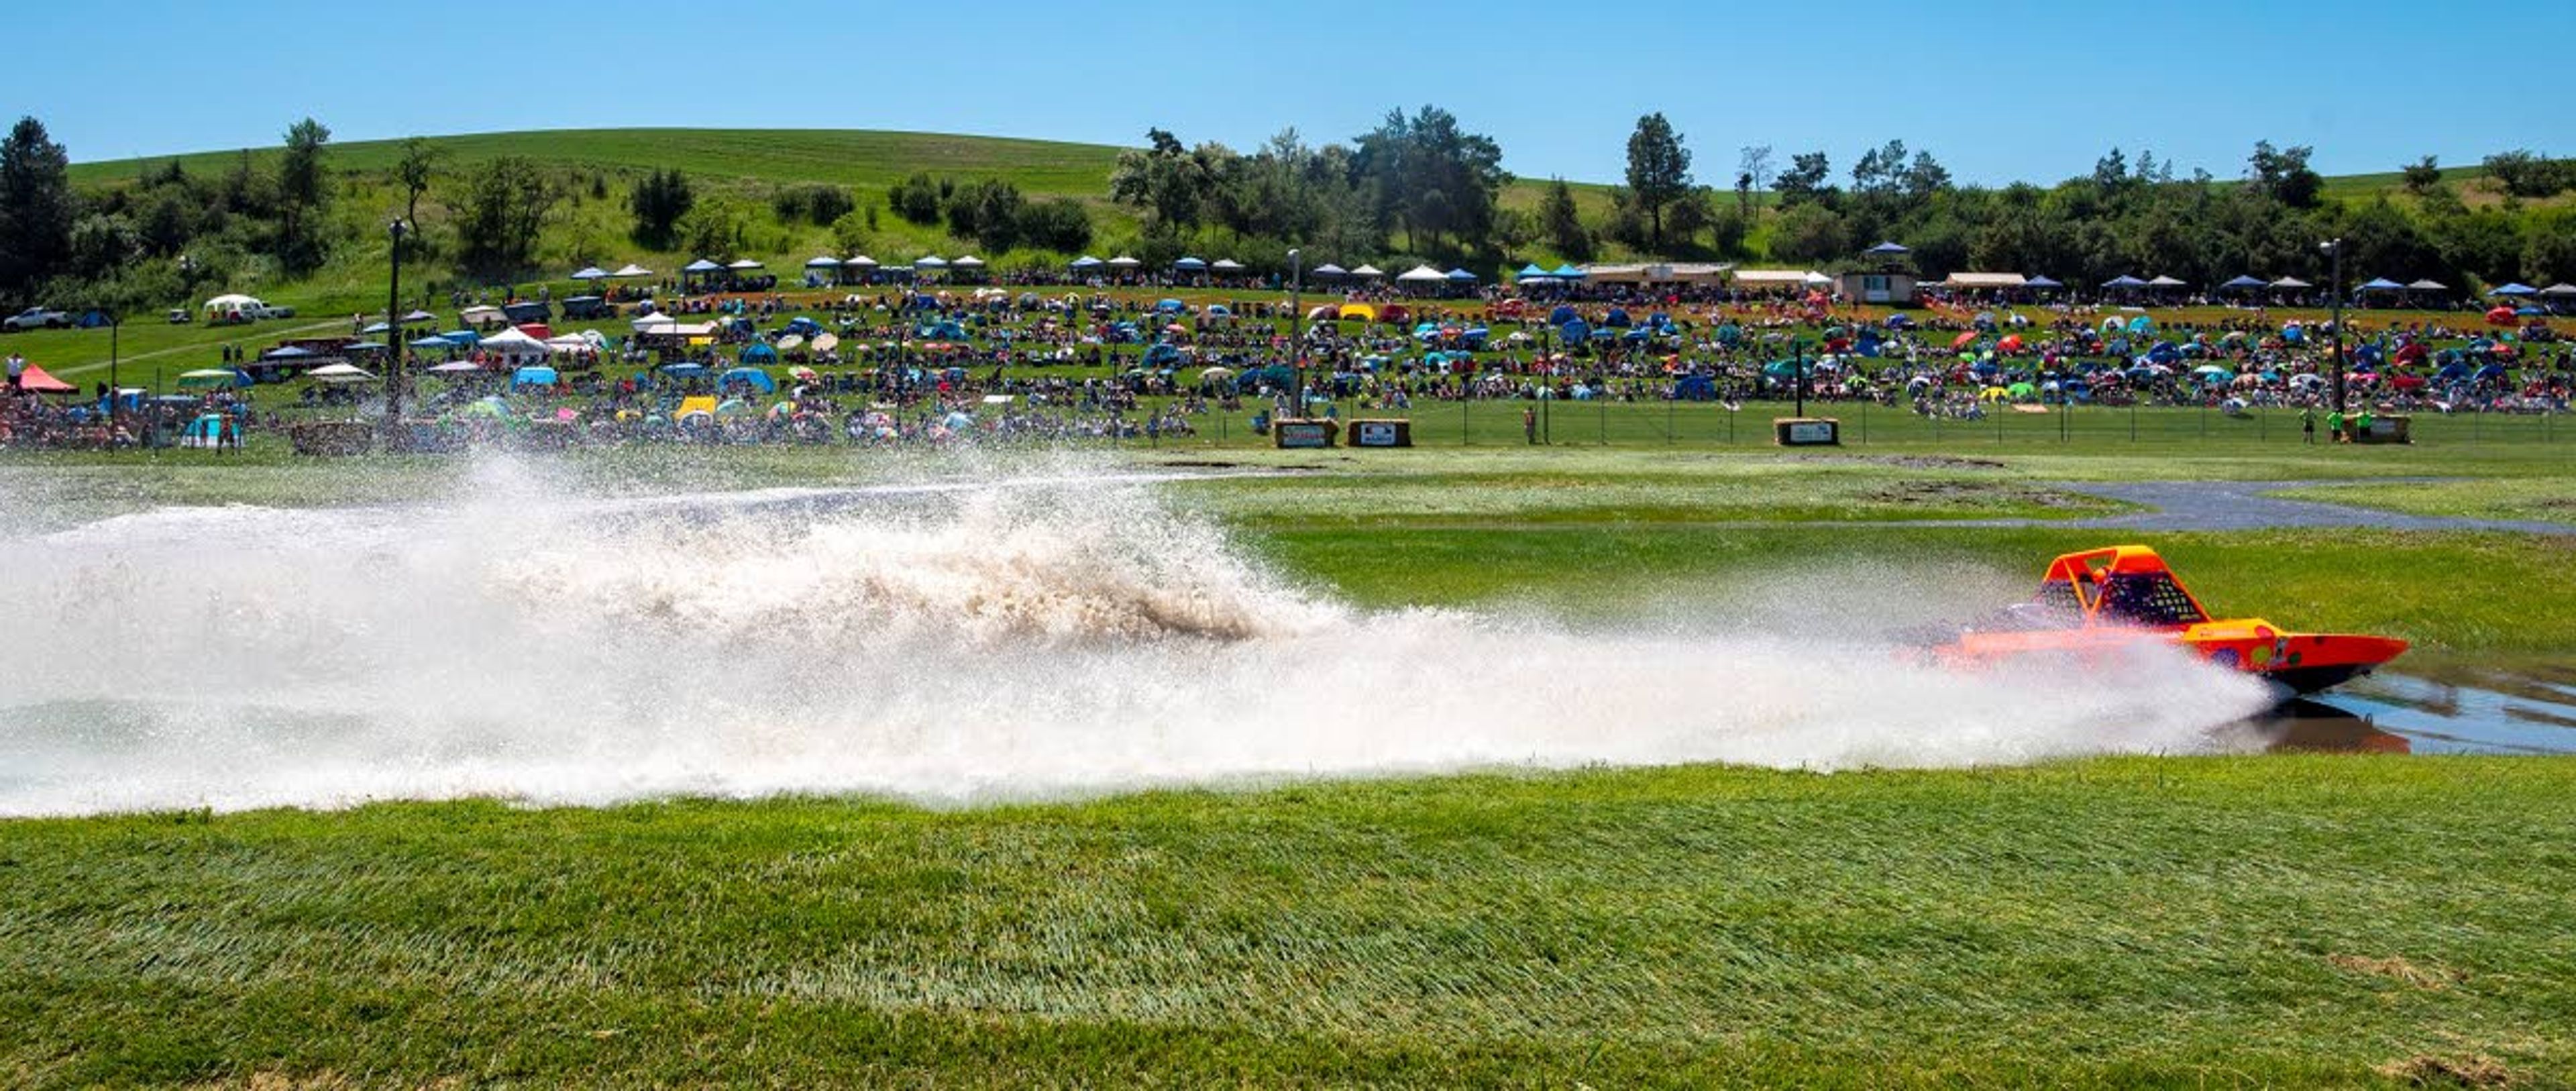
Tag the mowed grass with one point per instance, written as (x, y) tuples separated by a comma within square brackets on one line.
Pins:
[(2328, 921), (2545, 499)]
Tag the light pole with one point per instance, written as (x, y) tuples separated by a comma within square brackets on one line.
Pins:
[(1297, 327), (2334, 290), (394, 332), (1798, 369)]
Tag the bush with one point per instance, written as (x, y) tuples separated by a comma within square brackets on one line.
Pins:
[(916, 198), (818, 205)]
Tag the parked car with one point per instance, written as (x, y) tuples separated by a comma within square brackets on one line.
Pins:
[(181, 316), (37, 318), (267, 311)]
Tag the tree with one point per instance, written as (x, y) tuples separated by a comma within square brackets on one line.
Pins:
[(1430, 177), (505, 210), (2422, 175), (1165, 180), (1658, 173), (659, 201), (987, 211), (916, 198), (819, 205), (2523, 174), (1805, 180), (1061, 224), (1752, 174), (1880, 170), (2283, 173), (712, 228), (102, 244), (1809, 232), (419, 161), (302, 188), (1560, 224), (36, 208)]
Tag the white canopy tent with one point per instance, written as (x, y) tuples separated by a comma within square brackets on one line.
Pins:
[(514, 344), (340, 375)]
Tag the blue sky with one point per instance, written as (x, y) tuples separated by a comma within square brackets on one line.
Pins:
[(1997, 90)]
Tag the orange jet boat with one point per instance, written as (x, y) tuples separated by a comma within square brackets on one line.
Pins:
[(2099, 601)]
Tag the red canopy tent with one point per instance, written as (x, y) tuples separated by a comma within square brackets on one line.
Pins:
[(35, 380)]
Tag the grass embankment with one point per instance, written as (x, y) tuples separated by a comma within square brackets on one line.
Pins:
[(2283, 920)]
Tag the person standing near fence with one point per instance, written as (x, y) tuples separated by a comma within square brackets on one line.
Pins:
[(2308, 425), (1529, 425)]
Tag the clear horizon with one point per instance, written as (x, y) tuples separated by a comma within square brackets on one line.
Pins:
[(2339, 77)]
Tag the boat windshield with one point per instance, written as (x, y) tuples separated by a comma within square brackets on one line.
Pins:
[(2147, 598)]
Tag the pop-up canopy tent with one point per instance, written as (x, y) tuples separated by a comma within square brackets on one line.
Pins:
[(36, 380), (2382, 284), (1084, 262), (1226, 265), (2515, 289), (1887, 250), (2124, 281), (1190, 265), (631, 270), (1122, 261), (2430, 285), (1367, 271), (340, 374), (2291, 284), (1420, 274), (2241, 283), (743, 265), (591, 272), (1461, 276)]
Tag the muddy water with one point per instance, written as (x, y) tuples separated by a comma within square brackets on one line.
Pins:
[(2452, 712)]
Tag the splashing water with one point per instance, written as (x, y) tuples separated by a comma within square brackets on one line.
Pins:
[(959, 644)]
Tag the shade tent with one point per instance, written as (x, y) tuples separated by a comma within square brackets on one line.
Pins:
[(290, 352), (2124, 282), (1122, 261), (1190, 265), (2382, 284), (1328, 269), (591, 272), (1227, 265), (701, 265), (1567, 272), (1887, 250), (970, 261), (2166, 282), (2292, 284), (629, 270), (744, 265), (340, 374), (1366, 271), (861, 261), (2516, 289), (2428, 286), (2561, 290), (1084, 262), (930, 261), (819, 262), (2041, 282), (2245, 282), (1528, 271), (1461, 276), (1421, 274), (432, 343), (36, 380)]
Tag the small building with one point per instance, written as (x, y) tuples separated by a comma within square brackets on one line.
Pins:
[(1890, 287), (1780, 280)]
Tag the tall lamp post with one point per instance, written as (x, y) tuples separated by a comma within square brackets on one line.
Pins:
[(2334, 289), (1798, 369), (394, 331), (1297, 326)]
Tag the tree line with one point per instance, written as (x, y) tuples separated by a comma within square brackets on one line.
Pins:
[(1418, 185)]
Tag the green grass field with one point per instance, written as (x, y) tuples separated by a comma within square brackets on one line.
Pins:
[(2267, 920), (2275, 921)]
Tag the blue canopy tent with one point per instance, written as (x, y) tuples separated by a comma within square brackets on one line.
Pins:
[(758, 379), (432, 342), (1461, 276), (696, 269), (2244, 283), (462, 337), (1887, 250), (2516, 288), (1567, 272), (1084, 263), (2123, 282), (1190, 265), (1529, 271), (2041, 282), (2381, 284)]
